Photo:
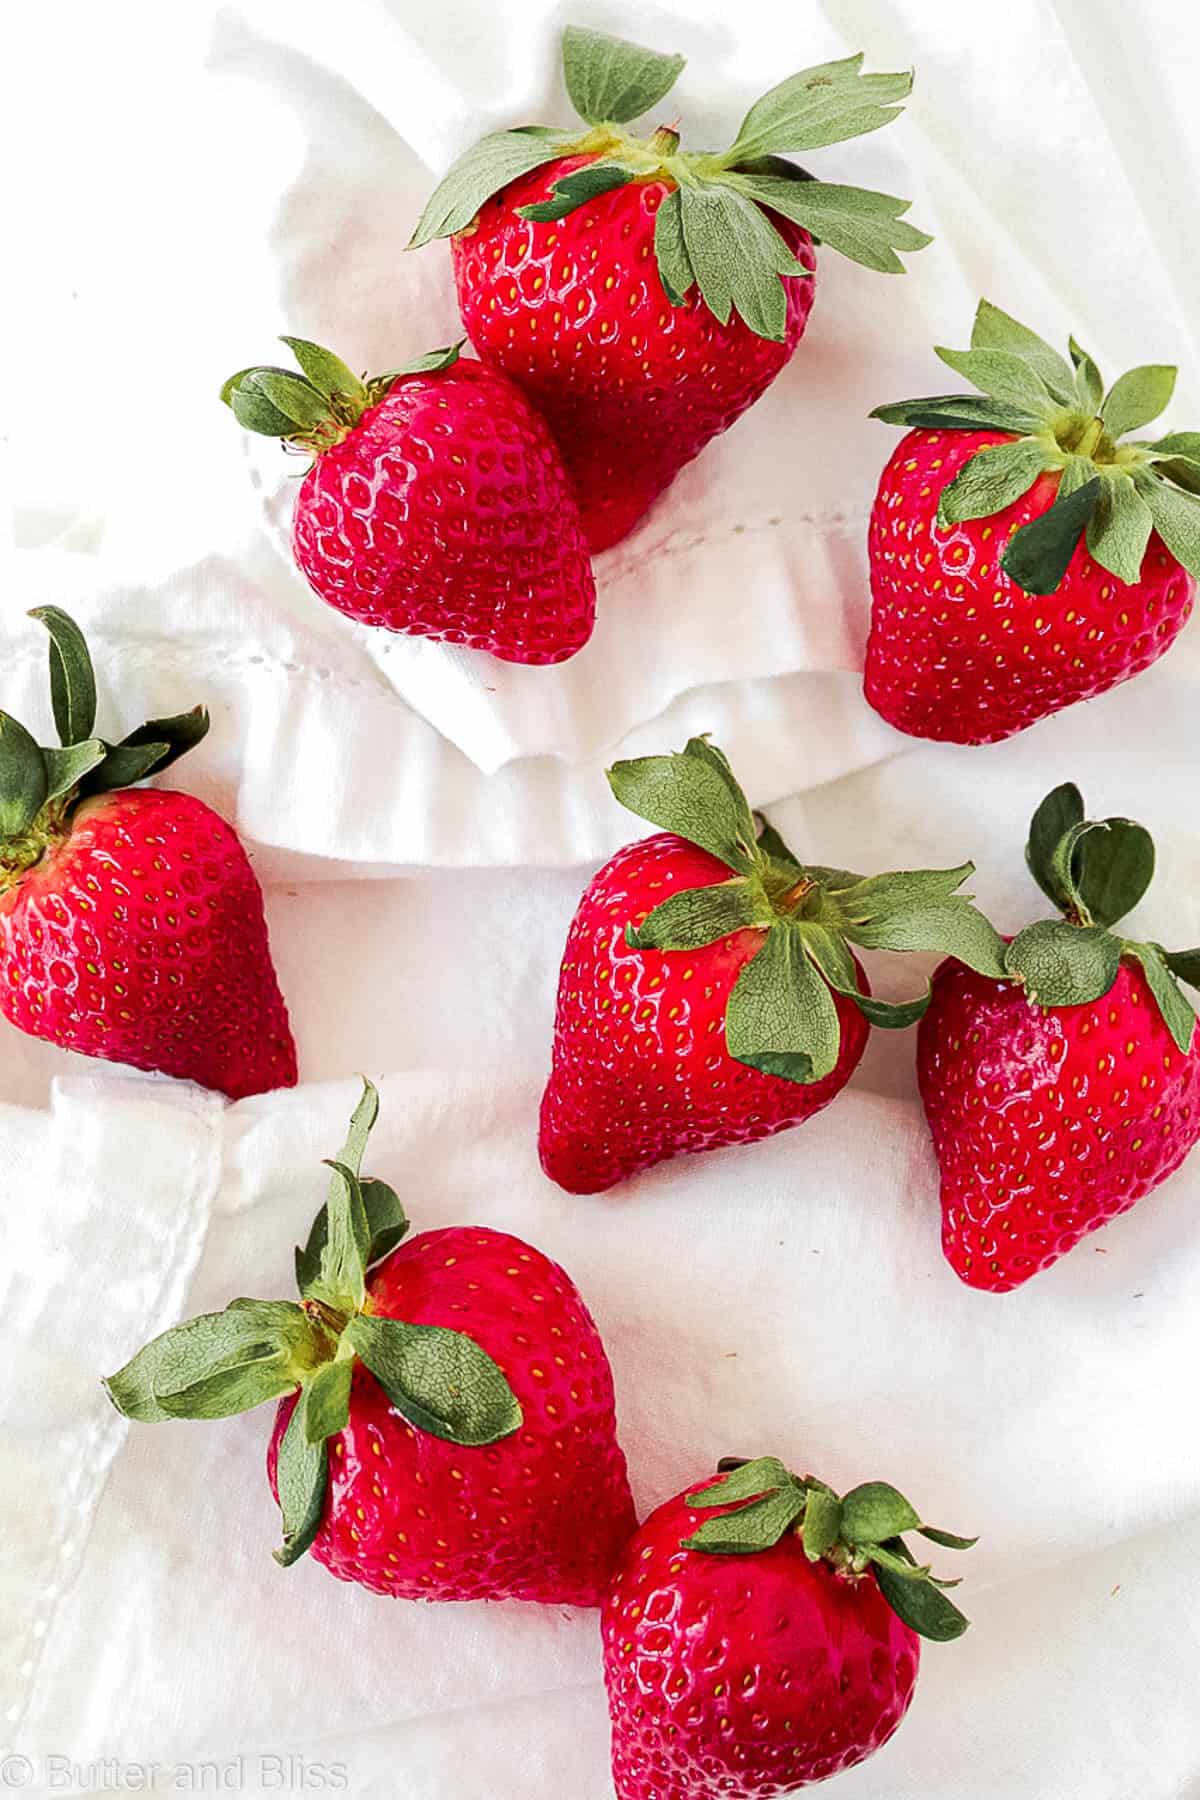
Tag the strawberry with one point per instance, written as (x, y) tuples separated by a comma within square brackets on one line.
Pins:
[(436, 502), (1060, 1096), (131, 923), (761, 1633), (709, 995), (644, 297), (1022, 557), (632, 355), (446, 1407)]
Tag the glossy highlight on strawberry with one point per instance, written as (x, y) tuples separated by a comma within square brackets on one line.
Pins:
[(757, 1637), (1047, 1123), (418, 1517), (632, 386), (645, 295), (1058, 1098), (445, 1427), (436, 503), (709, 994), (960, 652), (1023, 557), (642, 1070), (140, 938)]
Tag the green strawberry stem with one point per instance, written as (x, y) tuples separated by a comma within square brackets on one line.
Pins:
[(796, 893), (48, 827), (856, 1532), (1062, 422), (781, 1017), (1094, 871), (319, 408), (41, 785), (715, 232), (441, 1381), (324, 1317)]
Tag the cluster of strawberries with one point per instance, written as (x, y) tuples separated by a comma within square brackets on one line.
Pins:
[(445, 1430), (445, 1406)]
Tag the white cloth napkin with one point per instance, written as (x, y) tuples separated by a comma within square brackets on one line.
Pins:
[(214, 176)]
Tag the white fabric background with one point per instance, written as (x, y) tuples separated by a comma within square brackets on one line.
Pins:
[(194, 179)]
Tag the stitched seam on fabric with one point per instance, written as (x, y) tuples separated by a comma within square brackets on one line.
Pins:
[(168, 653), (839, 520), (668, 546), (106, 1434)]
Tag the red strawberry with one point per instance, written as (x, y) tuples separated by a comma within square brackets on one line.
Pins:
[(436, 504), (646, 297), (446, 1417), (602, 358), (708, 994), (131, 923), (634, 1024), (769, 1643), (1021, 557), (1060, 1096)]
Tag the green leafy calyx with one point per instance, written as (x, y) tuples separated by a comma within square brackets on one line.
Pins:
[(441, 1381), (319, 407), (1061, 422), (40, 785), (860, 1534), (782, 1015), (716, 230), (1094, 871)]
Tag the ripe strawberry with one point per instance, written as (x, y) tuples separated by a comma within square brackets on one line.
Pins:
[(1021, 557), (436, 503), (131, 923), (708, 994), (769, 1644), (446, 1407), (601, 361), (1060, 1096), (644, 297)]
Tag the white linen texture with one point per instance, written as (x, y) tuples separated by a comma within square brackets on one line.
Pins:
[(196, 180)]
